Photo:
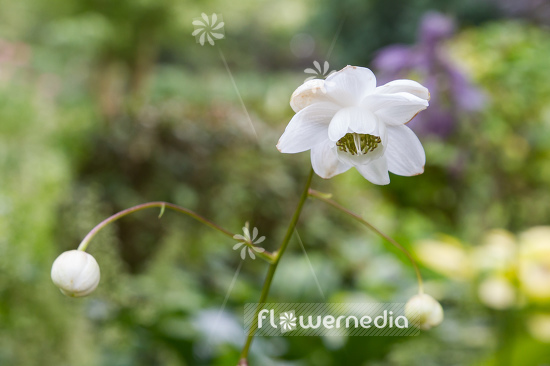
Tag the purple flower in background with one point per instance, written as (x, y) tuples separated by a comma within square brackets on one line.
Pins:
[(451, 91)]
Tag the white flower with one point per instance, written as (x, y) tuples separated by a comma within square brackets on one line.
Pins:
[(76, 273), (424, 311), (248, 242), (353, 123), (497, 292), (207, 29)]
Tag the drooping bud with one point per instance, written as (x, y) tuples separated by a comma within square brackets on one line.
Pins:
[(76, 273), (424, 311)]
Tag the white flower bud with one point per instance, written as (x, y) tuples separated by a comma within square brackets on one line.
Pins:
[(76, 273), (424, 311)]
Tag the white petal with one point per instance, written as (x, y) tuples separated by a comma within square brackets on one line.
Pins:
[(361, 120), (205, 17), (246, 233), (201, 39), (197, 31), (395, 109), (312, 91), (214, 18), (325, 162), (254, 233), (217, 35), (375, 172), (404, 86), (404, 152), (339, 124), (307, 128), (199, 23), (237, 246), (350, 85)]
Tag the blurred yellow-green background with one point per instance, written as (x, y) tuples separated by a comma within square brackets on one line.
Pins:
[(108, 104)]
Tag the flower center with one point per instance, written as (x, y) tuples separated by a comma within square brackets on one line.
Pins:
[(358, 144)]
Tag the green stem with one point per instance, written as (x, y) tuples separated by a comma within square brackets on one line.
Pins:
[(269, 257), (322, 197), (273, 267)]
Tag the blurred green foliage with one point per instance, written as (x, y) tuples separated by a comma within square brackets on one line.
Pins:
[(104, 105)]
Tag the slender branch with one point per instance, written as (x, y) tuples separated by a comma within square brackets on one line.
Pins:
[(273, 267), (323, 197), (269, 257)]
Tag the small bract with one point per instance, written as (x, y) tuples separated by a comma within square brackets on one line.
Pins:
[(424, 311), (76, 273)]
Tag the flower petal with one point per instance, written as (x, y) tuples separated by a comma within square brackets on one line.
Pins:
[(243, 253), (237, 246), (405, 153), (325, 162), (254, 233), (312, 91), (350, 85), (395, 109), (307, 128), (404, 86), (260, 240), (361, 120), (339, 124), (375, 172), (246, 233)]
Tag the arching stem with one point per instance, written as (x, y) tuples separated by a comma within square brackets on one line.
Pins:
[(267, 256), (323, 197)]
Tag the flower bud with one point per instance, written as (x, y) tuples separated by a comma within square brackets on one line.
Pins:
[(424, 311), (76, 273)]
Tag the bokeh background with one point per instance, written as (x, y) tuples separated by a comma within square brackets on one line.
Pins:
[(108, 104)]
